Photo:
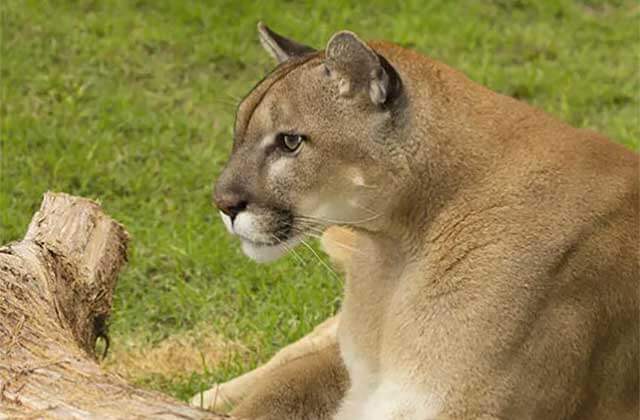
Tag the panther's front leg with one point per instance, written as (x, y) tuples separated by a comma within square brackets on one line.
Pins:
[(310, 349), (306, 388)]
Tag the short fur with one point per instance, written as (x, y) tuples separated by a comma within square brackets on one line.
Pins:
[(495, 271)]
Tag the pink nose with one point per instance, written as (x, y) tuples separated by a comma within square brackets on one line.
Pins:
[(230, 204)]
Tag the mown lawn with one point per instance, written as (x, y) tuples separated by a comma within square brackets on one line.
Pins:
[(132, 103)]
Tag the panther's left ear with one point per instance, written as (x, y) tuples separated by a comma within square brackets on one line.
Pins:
[(279, 47), (359, 69)]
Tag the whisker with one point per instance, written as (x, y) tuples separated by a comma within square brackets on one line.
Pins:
[(284, 245), (296, 255), (309, 231), (369, 186), (333, 273), (340, 222), (360, 206), (340, 244), (311, 220), (312, 228)]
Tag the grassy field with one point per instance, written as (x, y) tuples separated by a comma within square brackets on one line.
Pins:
[(132, 103)]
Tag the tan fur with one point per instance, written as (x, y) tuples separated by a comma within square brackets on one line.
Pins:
[(498, 276), (309, 387), (253, 392), (339, 244)]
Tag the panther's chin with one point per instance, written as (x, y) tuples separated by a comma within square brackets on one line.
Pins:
[(263, 253)]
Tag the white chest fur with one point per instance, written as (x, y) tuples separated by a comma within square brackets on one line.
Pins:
[(380, 395), (380, 387)]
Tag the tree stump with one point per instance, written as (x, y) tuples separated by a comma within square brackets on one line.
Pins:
[(56, 290)]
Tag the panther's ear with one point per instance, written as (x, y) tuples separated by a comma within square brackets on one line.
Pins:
[(279, 47), (358, 68)]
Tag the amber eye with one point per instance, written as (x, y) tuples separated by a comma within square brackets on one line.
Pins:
[(290, 142)]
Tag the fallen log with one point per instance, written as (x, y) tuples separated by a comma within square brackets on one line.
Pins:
[(56, 290)]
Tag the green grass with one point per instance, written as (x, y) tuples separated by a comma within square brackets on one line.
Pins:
[(132, 103)]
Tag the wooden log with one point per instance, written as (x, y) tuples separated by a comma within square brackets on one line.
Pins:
[(56, 290)]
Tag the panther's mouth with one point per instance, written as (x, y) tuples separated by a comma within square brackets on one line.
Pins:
[(268, 251), (264, 237)]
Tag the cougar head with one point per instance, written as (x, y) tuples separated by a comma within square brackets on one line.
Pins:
[(311, 145)]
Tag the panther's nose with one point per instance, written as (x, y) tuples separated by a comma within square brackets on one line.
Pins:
[(230, 203)]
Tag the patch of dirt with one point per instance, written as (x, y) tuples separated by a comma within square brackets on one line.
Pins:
[(179, 355)]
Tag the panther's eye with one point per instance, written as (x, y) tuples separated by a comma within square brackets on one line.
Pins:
[(290, 142)]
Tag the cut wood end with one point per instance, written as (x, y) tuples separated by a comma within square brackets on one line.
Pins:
[(86, 249), (78, 230)]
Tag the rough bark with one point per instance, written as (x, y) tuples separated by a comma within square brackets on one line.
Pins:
[(56, 290)]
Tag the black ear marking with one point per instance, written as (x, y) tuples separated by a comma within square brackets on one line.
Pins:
[(394, 89), (278, 46)]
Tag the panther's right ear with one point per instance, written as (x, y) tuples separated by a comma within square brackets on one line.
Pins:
[(359, 69), (279, 47)]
